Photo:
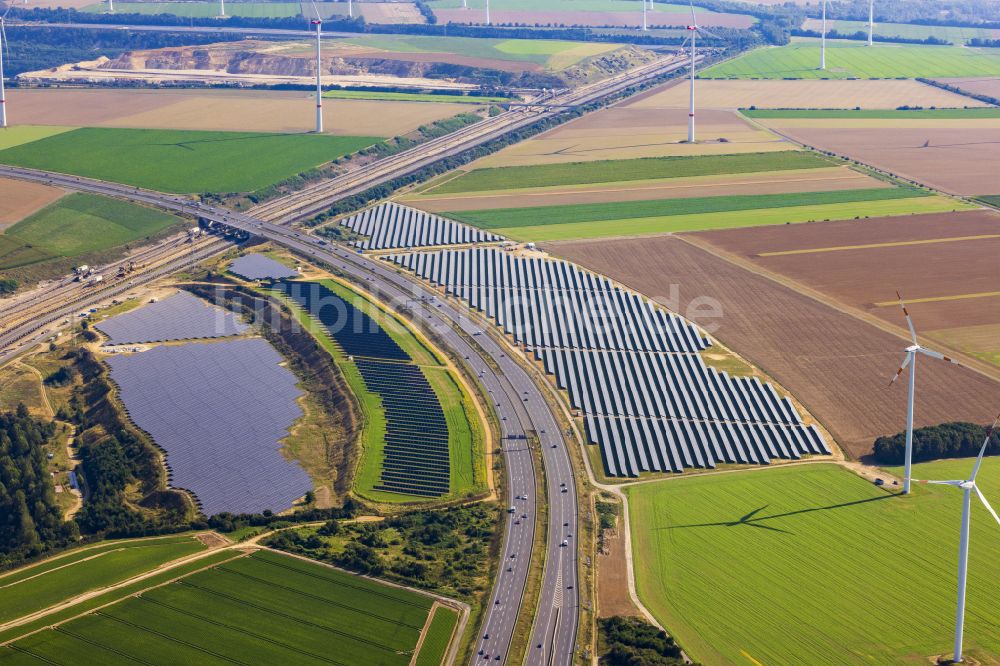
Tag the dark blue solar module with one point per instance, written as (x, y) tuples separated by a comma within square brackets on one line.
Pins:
[(182, 316), (355, 332), (219, 410), (259, 267)]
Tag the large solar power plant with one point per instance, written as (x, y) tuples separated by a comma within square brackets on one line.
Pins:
[(259, 267), (219, 410), (182, 316), (416, 458), (632, 369), (391, 225)]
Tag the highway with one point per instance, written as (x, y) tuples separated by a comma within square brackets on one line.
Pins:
[(518, 401)]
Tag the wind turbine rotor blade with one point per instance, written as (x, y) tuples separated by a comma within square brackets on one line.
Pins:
[(957, 483), (707, 33), (316, 12), (906, 362), (987, 504), (937, 355), (694, 21), (982, 450), (909, 322)]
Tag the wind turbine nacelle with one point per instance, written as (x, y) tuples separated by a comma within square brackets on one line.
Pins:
[(315, 22), (692, 27)]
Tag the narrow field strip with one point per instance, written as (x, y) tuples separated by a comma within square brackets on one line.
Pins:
[(437, 637), (938, 299), (954, 114), (871, 246)]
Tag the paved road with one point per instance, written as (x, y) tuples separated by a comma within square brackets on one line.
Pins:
[(519, 404)]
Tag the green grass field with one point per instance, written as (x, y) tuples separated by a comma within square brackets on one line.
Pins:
[(732, 219), (265, 608), (416, 97), (182, 161), (508, 218), (955, 35), (944, 114), (20, 134), (552, 54), (32, 589), (814, 565), (437, 638), (78, 224), (850, 59), (204, 9), (465, 435), (612, 171)]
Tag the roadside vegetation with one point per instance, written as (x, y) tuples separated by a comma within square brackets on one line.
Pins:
[(630, 641)]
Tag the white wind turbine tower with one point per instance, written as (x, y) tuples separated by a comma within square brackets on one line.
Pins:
[(871, 22), (911, 361), (644, 25), (111, 6), (822, 45), (967, 487), (3, 45), (693, 29), (222, 8), (488, 12), (318, 22)]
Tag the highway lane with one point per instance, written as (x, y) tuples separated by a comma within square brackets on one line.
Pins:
[(519, 403)]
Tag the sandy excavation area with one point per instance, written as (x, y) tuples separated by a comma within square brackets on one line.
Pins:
[(263, 111), (768, 182), (959, 157), (836, 364), (806, 94), (19, 199)]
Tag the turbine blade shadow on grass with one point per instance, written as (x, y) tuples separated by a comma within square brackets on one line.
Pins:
[(751, 520)]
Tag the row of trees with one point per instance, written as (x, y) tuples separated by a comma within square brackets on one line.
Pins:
[(631, 641), (948, 440), (30, 520)]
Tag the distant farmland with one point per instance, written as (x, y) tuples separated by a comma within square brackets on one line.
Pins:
[(264, 608), (813, 565), (182, 161), (800, 59), (205, 9)]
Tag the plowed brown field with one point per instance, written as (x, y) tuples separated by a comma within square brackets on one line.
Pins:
[(977, 86), (390, 12), (837, 365), (960, 160), (19, 199)]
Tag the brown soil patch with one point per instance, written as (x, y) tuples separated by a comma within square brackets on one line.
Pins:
[(837, 365), (778, 182), (958, 160), (265, 111), (584, 18), (19, 199), (631, 131), (976, 86), (390, 12), (867, 278), (612, 578), (806, 94), (212, 539)]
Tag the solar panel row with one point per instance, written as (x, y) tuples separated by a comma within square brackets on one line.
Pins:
[(632, 369), (391, 225), (416, 456), (182, 316), (259, 267), (219, 411), (545, 303)]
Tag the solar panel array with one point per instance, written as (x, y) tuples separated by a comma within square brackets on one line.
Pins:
[(181, 316), (391, 225), (259, 267), (219, 410), (415, 458), (631, 368)]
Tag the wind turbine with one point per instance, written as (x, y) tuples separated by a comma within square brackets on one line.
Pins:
[(871, 21), (911, 361), (822, 47), (318, 22), (644, 25), (488, 11), (694, 29), (222, 8), (967, 487), (5, 45)]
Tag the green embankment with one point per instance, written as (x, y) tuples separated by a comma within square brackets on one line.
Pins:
[(812, 564), (78, 224), (416, 97), (612, 171), (437, 638), (852, 59), (182, 161), (32, 589), (944, 114)]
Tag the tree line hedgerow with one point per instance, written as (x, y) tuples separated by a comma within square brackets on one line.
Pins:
[(947, 440)]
